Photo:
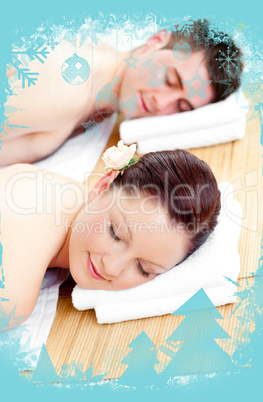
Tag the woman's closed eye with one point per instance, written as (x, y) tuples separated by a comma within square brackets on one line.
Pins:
[(116, 238), (112, 233)]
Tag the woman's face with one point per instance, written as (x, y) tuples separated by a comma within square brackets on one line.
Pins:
[(128, 241)]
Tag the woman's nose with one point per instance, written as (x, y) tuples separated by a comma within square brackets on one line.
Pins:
[(114, 264)]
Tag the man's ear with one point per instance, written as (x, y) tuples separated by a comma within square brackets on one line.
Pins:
[(158, 40)]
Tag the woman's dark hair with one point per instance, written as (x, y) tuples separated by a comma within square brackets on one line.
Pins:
[(183, 184)]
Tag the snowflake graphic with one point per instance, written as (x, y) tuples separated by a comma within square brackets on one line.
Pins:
[(34, 49), (252, 56), (25, 75), (85, 33), (33, 52), (185, 28), (228, 59), (254, 87), (208, 35), (48, 34)]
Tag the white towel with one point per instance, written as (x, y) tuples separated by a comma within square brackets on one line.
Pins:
[(78, 156), (209, 267), (215, 123), (116, 312), (195, 139)]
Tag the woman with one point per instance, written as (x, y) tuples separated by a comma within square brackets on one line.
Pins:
[(130, 228)]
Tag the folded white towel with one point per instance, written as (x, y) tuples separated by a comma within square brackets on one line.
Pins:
[(208, 268), (208, 125), (116, 312), (195, 139)]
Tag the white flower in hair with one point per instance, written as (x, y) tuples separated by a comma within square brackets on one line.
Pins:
[(119, 157)]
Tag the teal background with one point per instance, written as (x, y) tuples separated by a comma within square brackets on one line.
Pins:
[(21, 18)]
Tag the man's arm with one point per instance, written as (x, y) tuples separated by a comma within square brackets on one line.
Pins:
[(29, 148)]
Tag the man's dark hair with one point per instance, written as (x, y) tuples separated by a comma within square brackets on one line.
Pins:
[(222, 57)]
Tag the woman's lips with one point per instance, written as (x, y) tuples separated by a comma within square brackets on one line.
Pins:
[(93, 271)]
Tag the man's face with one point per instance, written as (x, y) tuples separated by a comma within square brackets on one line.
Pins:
[(171, 96)]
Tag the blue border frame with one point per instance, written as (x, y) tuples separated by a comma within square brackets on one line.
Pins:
[(23, 17)]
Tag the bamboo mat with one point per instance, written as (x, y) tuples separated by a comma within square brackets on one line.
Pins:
[(76, 336)]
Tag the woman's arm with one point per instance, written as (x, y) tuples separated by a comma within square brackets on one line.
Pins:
[(21, 278), (14, 308), (22, 240)]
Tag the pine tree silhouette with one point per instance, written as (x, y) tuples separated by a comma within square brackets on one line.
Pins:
[(199, 352), (141, 361), (45, 371)]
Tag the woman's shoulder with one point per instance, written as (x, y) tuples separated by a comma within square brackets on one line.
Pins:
[(34, 201), (27, 180), (27, 167), (38, 200), (33, 205)]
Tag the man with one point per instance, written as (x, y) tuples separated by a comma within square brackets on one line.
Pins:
[(54, 109)]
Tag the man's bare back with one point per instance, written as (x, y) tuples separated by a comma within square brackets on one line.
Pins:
[(52, 110)]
